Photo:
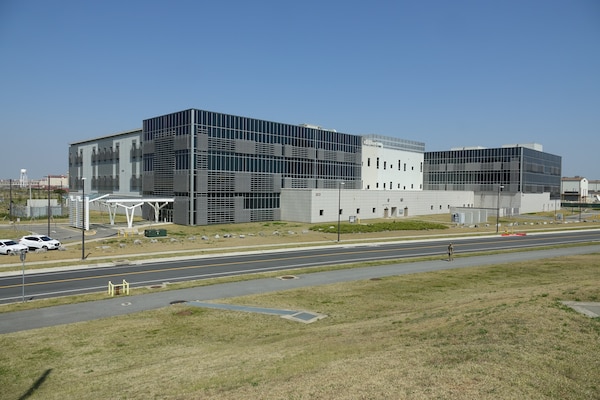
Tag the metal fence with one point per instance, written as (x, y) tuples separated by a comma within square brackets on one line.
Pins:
[(27, 212)]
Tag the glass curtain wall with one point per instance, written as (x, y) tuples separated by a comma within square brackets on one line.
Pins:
[(233, 168)]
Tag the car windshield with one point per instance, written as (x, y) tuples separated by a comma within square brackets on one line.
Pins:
[(9, 242), (45, 238)]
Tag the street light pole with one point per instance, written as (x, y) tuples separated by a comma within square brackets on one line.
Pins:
[(49, 209), (339, 207), (23, 255), (500, 187), (83, 219)]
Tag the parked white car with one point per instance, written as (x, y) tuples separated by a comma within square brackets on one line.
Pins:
[(39, 242), (9, 246)]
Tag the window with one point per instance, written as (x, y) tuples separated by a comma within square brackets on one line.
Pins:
[(405, 166), (321, 213), (384, 164), (373, 210), (182, 159), (369, 162), (377, 162), (358, 211)]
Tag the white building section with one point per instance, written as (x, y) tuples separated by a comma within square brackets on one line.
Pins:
[(392, 163), (321, 205)]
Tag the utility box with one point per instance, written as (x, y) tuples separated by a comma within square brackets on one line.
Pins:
[(155, 232)]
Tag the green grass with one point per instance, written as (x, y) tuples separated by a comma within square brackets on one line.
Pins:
[(497, 332), (390, 226)]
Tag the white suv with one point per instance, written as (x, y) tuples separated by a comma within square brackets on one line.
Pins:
[(40, 242), (9, 246)]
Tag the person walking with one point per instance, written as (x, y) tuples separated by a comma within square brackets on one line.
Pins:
[(450, 252)]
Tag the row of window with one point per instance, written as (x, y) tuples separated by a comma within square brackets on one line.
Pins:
[(243, 128), (476, 177), (401, 166), (373, 210), (271, 165), (399, 186), (503, 154)]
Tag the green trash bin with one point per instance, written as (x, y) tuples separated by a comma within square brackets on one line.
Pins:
[(155, 232)]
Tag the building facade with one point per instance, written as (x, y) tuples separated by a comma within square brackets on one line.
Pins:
[(107, 165), (524, 169), (391, 163), (321, 205), (574, 189), (197, 167), (222, 168)]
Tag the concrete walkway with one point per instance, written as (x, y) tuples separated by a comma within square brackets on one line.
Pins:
[(66, 314)]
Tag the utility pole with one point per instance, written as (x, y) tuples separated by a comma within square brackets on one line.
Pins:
[(500, 187), (49, 209)]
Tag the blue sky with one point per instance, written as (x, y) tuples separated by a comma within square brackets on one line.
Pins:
[(447, 73)]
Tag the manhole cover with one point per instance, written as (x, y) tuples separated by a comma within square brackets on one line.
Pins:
[(288, 277)]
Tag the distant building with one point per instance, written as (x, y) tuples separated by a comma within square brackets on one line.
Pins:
[(574, 189), (594, 189)]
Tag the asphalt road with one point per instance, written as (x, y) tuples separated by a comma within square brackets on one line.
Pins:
[(53, 283), (122, 305)]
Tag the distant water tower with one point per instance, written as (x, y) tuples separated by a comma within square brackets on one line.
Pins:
[(23, 179)]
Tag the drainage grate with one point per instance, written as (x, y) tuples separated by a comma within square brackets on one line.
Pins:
[(299, 316)]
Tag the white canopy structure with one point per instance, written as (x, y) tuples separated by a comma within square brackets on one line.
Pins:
[(129, 204)]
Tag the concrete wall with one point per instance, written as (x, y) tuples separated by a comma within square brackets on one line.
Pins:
[(321, 205), (516, 203), (408, 177)]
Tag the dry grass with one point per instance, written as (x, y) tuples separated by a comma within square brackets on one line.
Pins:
[(480, 333)]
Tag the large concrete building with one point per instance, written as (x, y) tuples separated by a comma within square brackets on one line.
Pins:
[(217, 168), (211, 168)]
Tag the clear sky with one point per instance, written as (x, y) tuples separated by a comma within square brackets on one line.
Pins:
[(446, 73)]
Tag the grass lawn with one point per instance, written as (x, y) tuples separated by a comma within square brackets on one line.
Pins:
[(494, 332)]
